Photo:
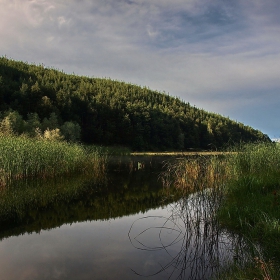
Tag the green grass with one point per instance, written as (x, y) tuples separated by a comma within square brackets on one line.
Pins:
[(23, 157), (252, 209)]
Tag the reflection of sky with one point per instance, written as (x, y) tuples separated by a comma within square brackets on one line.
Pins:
[(93, 250), (214, 54)]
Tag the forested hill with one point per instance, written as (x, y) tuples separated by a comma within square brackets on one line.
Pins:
[(107, 112)]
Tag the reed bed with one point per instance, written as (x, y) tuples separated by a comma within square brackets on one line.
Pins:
[(23, 157), (246, 180), (193, 174)]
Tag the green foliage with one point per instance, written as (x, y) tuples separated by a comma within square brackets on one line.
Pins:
[(71, 131), (50, 123), (49, 128), (107, 112)]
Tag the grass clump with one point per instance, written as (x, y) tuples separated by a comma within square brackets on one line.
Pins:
[(23, 157)]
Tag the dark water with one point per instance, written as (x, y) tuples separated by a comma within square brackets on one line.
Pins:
[(125, 227)]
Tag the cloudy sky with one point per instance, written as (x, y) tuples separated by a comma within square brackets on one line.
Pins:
[(220, 55)]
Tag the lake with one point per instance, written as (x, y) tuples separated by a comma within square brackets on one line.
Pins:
[(125, 227)]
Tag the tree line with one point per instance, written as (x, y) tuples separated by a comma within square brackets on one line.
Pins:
[(38, 100)]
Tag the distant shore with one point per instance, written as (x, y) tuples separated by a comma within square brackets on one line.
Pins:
[(188, 153)]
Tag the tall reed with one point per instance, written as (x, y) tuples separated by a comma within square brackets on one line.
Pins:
[(196, 173), (25, 157)]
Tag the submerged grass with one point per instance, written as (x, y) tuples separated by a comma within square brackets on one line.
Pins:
[(23, 157), (248, 181)]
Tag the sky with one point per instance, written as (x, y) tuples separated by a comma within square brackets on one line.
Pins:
[(222, 56)]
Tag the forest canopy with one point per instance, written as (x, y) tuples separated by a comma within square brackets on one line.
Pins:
[(36, 100)]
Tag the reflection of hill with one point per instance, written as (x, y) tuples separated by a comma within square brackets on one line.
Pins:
[(54, 203)]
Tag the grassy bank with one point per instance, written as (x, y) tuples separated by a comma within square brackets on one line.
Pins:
[(247, 179), (22, 157), (252, 209)]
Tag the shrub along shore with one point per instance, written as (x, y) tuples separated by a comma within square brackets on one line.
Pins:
[(23, 157)]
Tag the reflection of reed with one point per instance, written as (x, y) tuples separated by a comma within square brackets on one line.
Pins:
[(197, 248), (193, 174)]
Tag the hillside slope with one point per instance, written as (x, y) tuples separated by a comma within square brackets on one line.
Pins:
[(110, 112)]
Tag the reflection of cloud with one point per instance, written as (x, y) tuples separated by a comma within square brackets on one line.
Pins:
[(150, 265), (58, 273)]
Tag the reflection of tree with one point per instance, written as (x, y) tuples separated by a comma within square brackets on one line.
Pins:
[(33, 205), (196, 248)]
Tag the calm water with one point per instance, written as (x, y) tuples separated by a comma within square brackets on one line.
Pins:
[(124, 229)]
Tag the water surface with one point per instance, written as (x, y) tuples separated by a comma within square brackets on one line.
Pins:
[(126, 228)]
